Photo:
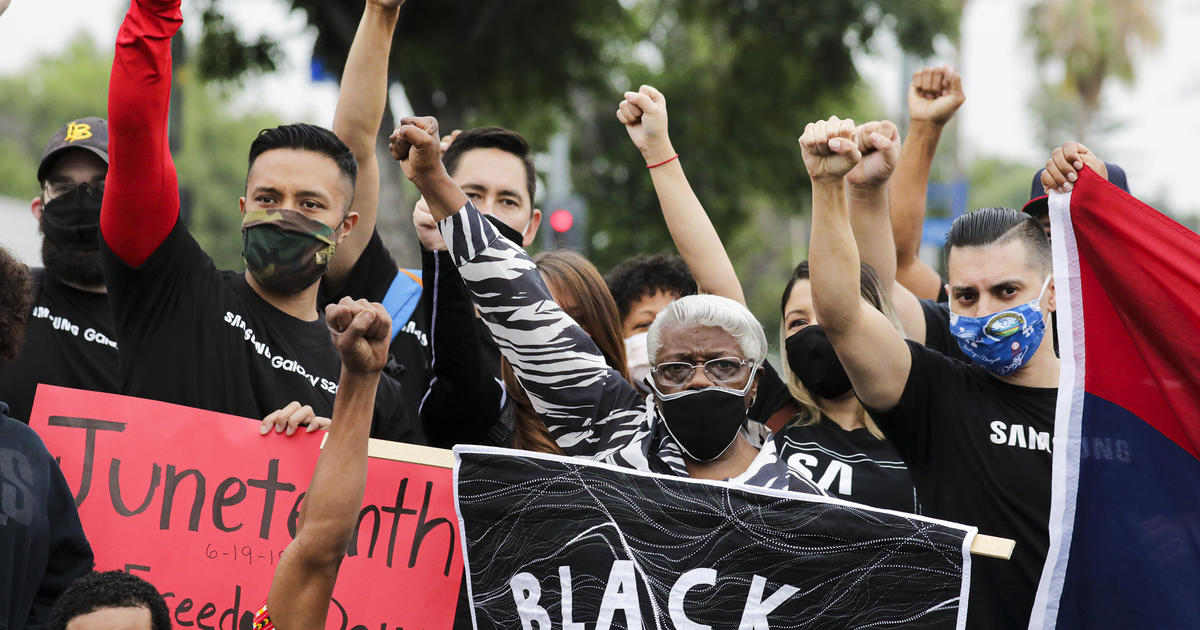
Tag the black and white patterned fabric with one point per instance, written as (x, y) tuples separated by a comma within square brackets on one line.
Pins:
[(589, 409)]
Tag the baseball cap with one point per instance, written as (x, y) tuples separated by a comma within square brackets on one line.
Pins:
[(84, 133), (1038, 204)]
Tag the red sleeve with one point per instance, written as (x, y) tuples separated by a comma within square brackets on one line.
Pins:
[(141, 192)]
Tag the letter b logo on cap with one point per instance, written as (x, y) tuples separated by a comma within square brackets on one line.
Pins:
[(78, 131)]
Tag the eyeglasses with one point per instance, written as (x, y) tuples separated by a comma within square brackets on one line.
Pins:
[(60, 188), (719, 370)]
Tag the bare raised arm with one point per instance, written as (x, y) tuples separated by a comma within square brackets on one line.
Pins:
[(874, 354), (361, 101), (307, 571), (141, 191), (867, 200), (933, 97), (644, 114)]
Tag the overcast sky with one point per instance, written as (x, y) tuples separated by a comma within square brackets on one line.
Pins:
[(1155, 117)]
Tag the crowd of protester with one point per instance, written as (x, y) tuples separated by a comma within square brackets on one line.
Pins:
[(890, 389)]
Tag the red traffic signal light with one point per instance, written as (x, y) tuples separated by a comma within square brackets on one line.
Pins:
[(561, 220)]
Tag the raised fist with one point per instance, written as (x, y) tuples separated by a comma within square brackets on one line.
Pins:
[(644, 114), (830, 148), (416, 146), (1065, 163), (879, 143), (935, 94), (388, 4), (427, 229), (361, 332)]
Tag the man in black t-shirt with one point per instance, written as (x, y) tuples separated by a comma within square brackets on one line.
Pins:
[(238, 342), (69, 340), (976, 437)]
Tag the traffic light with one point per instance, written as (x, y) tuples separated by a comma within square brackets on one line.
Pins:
[(561, 220), (567, 224)]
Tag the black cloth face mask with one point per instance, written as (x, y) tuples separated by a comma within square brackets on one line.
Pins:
[(704, 422), (812, 359), (73, 219), (506, 231)]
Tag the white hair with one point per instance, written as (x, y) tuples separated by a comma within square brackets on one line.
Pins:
[(711, 310)]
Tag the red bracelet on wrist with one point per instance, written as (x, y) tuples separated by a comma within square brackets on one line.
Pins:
[(663, 162)]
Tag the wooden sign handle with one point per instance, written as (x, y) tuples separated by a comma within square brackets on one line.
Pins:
[(993, 546)]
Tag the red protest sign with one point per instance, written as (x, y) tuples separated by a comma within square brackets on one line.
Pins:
[(201, 505)]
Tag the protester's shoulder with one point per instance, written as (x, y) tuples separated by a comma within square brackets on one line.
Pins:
[(179, 248), (14, 433)]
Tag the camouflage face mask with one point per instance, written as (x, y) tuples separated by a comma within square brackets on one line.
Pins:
[(284, 250)]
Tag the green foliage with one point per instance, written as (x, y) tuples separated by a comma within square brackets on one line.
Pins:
[(52, 91), (211, 160), (222, 55), (741, 79), (999, 182), (1090, 40), (212, 166), (514, 63)]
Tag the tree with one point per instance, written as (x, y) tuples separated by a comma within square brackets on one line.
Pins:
[(1090, 40), (211, 160), (742, 79)]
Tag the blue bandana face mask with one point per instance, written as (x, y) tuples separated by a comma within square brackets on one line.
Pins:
[(1003, 342)]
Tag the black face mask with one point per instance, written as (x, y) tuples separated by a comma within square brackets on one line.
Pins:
[(507, 232), (704, 422), (73, 220), (812, 359)]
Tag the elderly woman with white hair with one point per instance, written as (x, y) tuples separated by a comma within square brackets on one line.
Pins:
[(706, 352)]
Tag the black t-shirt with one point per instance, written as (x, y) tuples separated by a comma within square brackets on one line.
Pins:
[(978, 449), (42, 545), (852, 465), (196, 336), (370, 279), (69, 341)]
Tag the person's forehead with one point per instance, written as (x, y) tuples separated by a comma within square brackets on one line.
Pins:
[(493, 169), (800, 299), (652, 302), (125, 618), (678, 337), (987, 265), (294, 169), (78, 165)]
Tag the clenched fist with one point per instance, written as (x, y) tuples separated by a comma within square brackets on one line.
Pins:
[(879, 143), (935, 94), (361, 332), (830, 149), (416, 146), (644, 114)]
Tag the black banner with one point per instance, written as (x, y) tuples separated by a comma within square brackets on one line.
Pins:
[(559, 543)]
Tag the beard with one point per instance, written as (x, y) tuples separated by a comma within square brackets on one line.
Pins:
[(75, 265)]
